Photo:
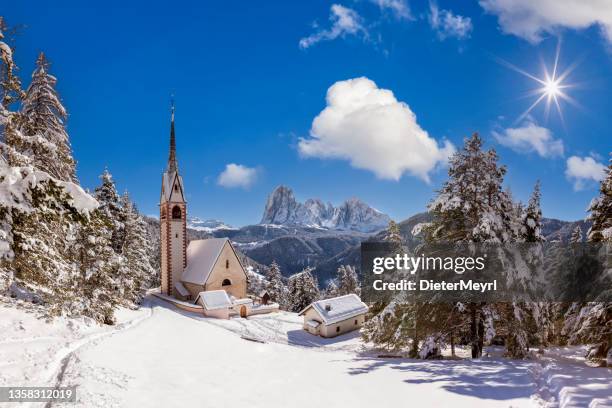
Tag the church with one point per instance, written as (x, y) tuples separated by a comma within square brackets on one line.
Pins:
[(189, 269)]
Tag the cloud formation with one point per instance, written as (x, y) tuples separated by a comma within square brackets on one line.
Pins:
[(399, 8), (237, 176), (582, 171), (531, 19), (370, 128), (345, 21), (446, 24), (531, 138)]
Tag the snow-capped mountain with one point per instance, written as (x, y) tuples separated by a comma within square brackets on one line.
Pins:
[(207, 225), (283, 209)]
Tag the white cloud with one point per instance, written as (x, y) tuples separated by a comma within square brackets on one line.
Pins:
[(530, 19), (374, 131), (447, 24), (399, 8), (345, 21), (531, 138), (584, 170), (237, 175)]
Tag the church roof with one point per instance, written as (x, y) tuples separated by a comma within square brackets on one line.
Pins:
[(202, 255), (338, 309)]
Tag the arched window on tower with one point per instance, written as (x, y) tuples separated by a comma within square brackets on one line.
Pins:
[(176, 213), (226, 282), (227, 264), (163, 213)]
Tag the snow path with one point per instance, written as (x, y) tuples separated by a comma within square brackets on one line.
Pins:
[(39, 359)]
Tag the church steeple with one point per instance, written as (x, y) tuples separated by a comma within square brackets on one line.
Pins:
[(172, 222), (172, 167)]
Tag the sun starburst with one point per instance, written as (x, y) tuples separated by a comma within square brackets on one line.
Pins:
[(551, 88)]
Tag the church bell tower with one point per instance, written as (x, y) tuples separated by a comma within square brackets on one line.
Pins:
[(172, 221)]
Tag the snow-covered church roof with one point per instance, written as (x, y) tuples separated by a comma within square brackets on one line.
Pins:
[(339, 308), (202, 255)]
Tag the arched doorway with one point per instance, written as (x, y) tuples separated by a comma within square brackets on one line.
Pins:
[(243, 311)]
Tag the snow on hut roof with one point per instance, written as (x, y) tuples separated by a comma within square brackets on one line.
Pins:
[(339, 308), (313, 323), (181, 289), (202, 254), (214, 299)]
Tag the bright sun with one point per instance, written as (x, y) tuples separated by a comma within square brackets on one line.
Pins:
[(552, 87)]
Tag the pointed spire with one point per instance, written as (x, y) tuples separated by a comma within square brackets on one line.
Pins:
[(172, 167)]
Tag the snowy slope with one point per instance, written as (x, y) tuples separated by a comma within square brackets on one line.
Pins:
[(165, 358)]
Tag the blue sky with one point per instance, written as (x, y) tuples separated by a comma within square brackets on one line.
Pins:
[(249, 78)]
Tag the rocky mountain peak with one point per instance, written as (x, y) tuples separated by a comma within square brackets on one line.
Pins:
[(283, 209)]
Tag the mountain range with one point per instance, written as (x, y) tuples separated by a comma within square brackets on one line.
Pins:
[(353, 215), (297, 235)]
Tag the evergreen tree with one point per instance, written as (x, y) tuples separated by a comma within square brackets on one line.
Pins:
[(576, 237), (471, 206), (592, 322), (303, 289), (42, 126), (348, 282), (136, 272), (99, 268), (600, 211), (274, 286), (331, 289), (531, 230), (10, 85), (393, 233), (107, 196)]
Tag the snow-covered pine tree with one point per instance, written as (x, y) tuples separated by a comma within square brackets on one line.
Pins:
[(107, 197), (274, 286), (392, 324), (302, 289), (531, 230), (10, 85), (576, 237), (348, 282), (99, 269), (331, 289), (136, 273), (592, 322), (393, 233), (600, 210), (471, 206), (44, 136), (10, 93), (44, 216)]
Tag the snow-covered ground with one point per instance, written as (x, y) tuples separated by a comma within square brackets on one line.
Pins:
[(162, 357)]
